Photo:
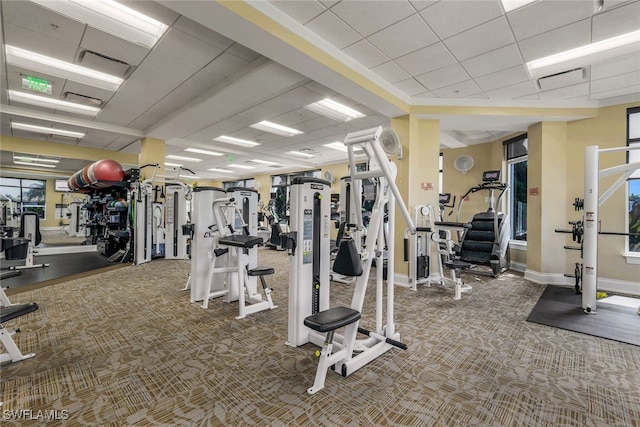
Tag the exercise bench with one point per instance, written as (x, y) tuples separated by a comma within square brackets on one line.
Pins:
[(7, 313)]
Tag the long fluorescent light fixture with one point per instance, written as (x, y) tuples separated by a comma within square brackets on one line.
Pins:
[(300, 154), (276, 128), (46, 130), (65, 70), (236, 166), (39, 165), (111, 17), (184, 159), (592, 53), (341, 147), (265, 162), (57, 104), (220, 170), (175, 165), (510, 5), (34, 159), (207, 152), (236, 141), (334, 110)]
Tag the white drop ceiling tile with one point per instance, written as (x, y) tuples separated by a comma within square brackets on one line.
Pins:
[(555, 41), (567, 92), (459, 90), (134, 148), (113, 47), (163, 71), (481, 39), (443, 77), (480, 95), (120, 143), (317, 123), (391, 72), (507, 77), (39, 19), (365, 53), (185, 48), (256, 114), (300, 10), (490, 62), (426, 59), (226, 65), (325, 91), (39, 43), (620, 65), (198, 31), (333, 30), (411, 87), (616, 82), (448, 18), (512, 92), (617, 21), (243, 52), (422, 4), (119, 114), (403, 37), (632, 90), (367, 17), (299, 96), (543, 16)]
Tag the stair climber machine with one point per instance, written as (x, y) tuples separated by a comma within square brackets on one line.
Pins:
[(486, 242), (308, 243)]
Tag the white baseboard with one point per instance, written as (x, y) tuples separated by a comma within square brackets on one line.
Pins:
[(604, 284), (518, 266)]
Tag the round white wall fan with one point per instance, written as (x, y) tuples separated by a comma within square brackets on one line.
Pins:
[(463, 163), (390, 142)]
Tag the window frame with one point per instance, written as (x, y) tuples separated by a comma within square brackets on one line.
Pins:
[(24, 189), (511, 161), (633, 111)]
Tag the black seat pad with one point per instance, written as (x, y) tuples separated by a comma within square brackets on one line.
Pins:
[(332, 319), (261, 271), (457, 265), (13, 311), (241, 240)]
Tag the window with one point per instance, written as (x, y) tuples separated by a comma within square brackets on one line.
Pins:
[(244, 183), (633, 140), (441, 173), (28, 194), (516, 154)]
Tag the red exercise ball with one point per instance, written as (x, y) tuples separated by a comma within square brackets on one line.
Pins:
[(106, 170)]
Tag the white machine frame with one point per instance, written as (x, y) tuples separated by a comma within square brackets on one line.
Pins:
[(592, 202), (353, 354), (420, 245)]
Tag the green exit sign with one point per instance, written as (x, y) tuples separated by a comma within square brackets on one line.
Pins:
[(36, 84)]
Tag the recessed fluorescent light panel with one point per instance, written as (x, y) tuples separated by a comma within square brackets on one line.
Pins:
[(334, 110), (111, 17), (175, 165), (236, 166), (34, 159), (264, 162), (300, 154), (57, 104), (199, 151), (510, 5), (341, 147), (236, 141), (66, 70), (184, 159), (39, 165), (592, 53), (276, 128), (220, 170), (46, 130)]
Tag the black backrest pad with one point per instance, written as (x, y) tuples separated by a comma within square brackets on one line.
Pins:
[(348, 261)]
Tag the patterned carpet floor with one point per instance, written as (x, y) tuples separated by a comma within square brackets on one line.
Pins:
[(127, 348)]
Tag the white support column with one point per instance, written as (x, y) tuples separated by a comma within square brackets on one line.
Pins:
[(590, 237)]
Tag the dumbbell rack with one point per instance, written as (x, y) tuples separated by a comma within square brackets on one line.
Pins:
[(577, 232)]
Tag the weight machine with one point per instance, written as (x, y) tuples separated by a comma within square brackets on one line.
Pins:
[(591, 221), (417, 249), (308, 277), (77, 217), (348, 223), (232, 269)]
